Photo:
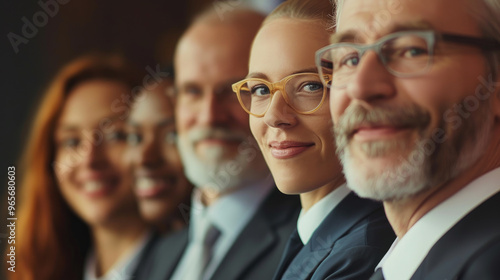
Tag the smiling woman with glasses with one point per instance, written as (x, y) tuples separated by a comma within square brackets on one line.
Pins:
[(289, 117)]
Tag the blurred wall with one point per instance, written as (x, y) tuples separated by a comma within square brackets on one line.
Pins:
[(39, 37)]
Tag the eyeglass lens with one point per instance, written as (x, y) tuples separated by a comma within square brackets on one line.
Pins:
[(302, 92)]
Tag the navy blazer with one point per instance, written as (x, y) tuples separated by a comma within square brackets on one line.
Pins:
[(470, 250), (348, 244), (255, 254)]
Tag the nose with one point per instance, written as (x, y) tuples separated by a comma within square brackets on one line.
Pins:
[(92, 155), (279, 114), (212, 110), (149, 153), (371, 81)]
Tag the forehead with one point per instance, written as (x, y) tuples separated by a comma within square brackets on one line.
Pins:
[(284, 44), (375, 18), (213, 52), (152, 106), (92, 101)]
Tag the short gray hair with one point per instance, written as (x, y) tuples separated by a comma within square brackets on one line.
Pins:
[(487, 14)]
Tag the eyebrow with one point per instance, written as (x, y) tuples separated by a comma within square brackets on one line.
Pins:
[(351, 35), (185, 85), (162, 123), (265, 77)]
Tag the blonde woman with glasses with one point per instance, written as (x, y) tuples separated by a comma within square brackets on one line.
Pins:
[(339, 235)]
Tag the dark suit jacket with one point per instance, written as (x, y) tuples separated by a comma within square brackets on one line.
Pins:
[(146, 255), (348, 244), (470, 250), (255, 254)]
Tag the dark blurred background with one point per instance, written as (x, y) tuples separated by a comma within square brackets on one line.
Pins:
[(144, 32)]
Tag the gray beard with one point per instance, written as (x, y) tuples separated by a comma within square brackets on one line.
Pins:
[(220, 176), (423, 168)]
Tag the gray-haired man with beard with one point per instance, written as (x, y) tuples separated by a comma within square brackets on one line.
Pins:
[(415, 99), (239, 222)]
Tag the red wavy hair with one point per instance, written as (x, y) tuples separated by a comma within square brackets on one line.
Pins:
[(52, 241)]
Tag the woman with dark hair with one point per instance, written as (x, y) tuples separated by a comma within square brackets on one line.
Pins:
[(162, 190), (78, 216)]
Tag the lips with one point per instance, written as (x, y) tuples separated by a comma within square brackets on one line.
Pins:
[(149, 187), (97, 188), (376, 132), (288, 149)]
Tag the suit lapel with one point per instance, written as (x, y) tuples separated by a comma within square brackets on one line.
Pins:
[(254, 240), (292, 248), (173, 247), (258, 237), (349, 212), (341, 219)]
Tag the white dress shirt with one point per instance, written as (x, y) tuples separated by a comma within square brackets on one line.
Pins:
[(123, 269), (406, 254), (230, 214), (310, 220)]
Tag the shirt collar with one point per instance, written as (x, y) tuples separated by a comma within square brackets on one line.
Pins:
[(406, 254), (123, 267), (231, 212), (310, 220)]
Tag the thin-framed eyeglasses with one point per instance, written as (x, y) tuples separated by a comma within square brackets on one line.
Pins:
[(404, 54), (303, 92)]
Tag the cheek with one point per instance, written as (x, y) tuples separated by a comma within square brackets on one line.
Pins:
[(173, 159), (64, 165), (338, 102), (131, 156), (439, 95), (116, 156), (258, 129), (184, 117)]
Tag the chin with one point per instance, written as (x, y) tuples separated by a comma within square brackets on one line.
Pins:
[(289, 188), (155, 212)]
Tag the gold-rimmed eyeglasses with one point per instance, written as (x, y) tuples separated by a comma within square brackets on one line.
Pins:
[(303, 92)]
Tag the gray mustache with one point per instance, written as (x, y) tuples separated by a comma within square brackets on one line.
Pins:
[(357, 115), (216, 133)]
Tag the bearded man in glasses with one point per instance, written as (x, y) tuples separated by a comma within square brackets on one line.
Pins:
[(415, 99)]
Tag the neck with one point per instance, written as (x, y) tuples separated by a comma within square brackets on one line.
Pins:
[(403, 214), (308, 199), (112, 242), (209, 196)]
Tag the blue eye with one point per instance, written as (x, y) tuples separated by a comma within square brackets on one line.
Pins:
[(116, 136), (134, 139), (313, 86), (260, 90), (70, 143), (351, 60), (191, 90), (171, 137), (413, 52)]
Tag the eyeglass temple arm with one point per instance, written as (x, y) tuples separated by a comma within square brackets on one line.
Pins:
[(483, 43)]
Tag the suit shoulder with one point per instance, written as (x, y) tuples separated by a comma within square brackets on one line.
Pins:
[(484, 264)]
